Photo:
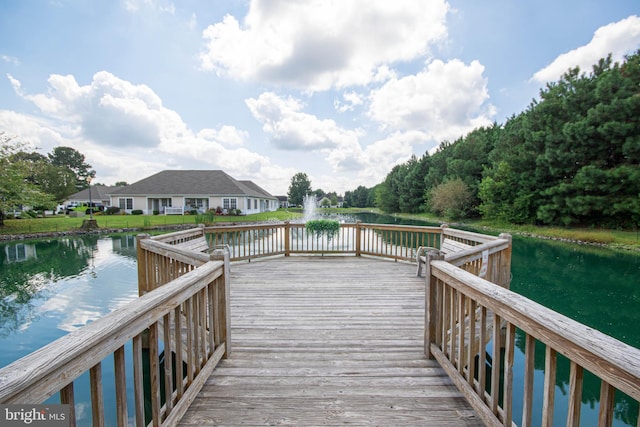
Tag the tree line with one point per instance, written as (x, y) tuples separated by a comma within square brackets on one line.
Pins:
[(571, 158), (39, 181)]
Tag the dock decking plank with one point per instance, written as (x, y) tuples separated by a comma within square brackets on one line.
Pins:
[(328, 341)]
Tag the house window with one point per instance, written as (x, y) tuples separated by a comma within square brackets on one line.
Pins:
[(16, 252), (200, 204), (125, 203), (230, 203), (255, 204)]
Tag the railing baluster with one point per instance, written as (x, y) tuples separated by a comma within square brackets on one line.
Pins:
[(529, 369), (121, 387), (550, 366), (189, 325), (482, 355), (138, 385), (177, 318), (67, 398), (509, 355), (97, 399), (168, 362), (495, 364), (210, 317), (154, 369), (576, 378), (605, 415), (471, 366), (461, 332), (202, 303)]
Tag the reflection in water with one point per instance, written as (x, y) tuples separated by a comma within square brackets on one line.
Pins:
[(54, 286), (594, 286), (49, 287)]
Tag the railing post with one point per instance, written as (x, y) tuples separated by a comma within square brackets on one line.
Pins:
[(287, 238), (504, 268), (143, 285), (430, 303), (442, 227), (358, 238), (223, 312)]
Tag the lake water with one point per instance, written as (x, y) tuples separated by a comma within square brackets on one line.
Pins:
[(50, 287)]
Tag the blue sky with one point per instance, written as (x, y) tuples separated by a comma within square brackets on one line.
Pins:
[(340, 90)]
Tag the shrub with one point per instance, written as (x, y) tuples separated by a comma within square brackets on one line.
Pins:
[(136, 212), (330, 227), (451, 198), (111, 210), (156, 212)]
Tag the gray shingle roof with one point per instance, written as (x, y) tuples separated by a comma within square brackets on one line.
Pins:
[(191, 182), (98, 192)]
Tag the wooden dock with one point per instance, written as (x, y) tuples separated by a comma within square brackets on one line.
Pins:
[(328, 341)]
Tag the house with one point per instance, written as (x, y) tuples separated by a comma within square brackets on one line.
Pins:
[(99, 194), (283, 201), (179, 191)]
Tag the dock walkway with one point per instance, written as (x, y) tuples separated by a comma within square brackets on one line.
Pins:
[(328, 341)]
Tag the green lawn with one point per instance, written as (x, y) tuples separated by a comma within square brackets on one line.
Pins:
[(613, 238), (65, 223)]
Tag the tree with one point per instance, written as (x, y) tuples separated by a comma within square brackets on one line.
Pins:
[(57, 181), (388, 192), (451, 198), (299, 188), (361, 197), (15, 188), (75, 161), (121, 184), (411, 197)]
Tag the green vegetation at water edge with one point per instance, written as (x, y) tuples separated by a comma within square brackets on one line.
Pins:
[(615, 239), (61, 223)]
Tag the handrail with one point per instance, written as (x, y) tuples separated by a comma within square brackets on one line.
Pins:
[(250, 241), (459, 305), (197, 301)]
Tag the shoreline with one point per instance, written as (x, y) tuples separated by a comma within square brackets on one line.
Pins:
[(98, 231)]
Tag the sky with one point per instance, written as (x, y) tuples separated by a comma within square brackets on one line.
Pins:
[(341, 90)]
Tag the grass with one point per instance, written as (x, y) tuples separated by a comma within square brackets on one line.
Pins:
[(615, 239), (60, 223)]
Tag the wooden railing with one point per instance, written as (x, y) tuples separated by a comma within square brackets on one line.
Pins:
[(489, 257), (465, 312), (390, 241), (184, 311), (185, 297)]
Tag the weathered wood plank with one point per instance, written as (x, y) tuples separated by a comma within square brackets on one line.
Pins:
[(328, 340)]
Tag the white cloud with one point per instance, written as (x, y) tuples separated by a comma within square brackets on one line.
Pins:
[(351, 100), (290, 128), (445, 101), (10, 59), (618, 38), (111, 118), (228, 135), (317, 45), (159, 5)]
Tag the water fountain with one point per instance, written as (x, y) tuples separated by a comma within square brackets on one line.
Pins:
[(309, 205)]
